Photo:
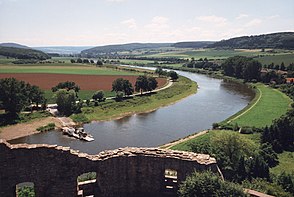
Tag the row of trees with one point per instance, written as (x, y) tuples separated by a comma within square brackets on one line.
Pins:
[(204, 64), (86, 61), (242, 68), (15, 95), (143, 83)]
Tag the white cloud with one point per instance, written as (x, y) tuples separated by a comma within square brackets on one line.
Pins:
[(274, 16), (116, 1), (130, 23), (241, 16), (253, 23), (158, 23), (216, 20)]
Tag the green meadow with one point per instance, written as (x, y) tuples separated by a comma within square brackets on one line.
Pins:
[(62, 69), (268, 105)]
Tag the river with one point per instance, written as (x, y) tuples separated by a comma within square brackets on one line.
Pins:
[(214, 101)]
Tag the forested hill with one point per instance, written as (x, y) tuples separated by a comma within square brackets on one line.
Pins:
[(122, 47), (23, 53), (283, 40), (15, 45), (194, 44)]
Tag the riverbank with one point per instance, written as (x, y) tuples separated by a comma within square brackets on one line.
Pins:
[(269, 104), (111, 110), (26, 129)]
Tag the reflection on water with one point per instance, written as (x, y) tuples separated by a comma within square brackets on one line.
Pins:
[(215, 100)]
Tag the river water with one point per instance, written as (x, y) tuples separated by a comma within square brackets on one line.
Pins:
[(214, 101)]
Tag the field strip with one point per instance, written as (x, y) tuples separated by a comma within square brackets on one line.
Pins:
[(260, 95), (171, 144)]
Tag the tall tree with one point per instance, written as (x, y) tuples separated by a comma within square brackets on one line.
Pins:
[(141, 84), (14, 95), (152, 83), (66, 101), (122, 85), (36, 95), (127, 87), (173, 75)]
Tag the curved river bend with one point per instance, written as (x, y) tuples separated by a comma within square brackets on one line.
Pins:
[(214, 101)]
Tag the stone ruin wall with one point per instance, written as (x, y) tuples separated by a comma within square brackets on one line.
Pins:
[(122, 172)]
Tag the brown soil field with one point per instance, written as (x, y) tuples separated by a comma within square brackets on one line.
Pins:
[(86, 82)]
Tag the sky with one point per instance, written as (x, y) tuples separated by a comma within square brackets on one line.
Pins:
[(101, 22)]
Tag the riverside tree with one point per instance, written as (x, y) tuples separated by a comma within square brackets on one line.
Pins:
[(173, 75), (15, 95), (66, 102), (141, 84), (122, 85), (144, 83)]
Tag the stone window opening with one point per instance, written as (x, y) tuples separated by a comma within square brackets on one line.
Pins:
[(25, 189), (87, 184), (171, 180)]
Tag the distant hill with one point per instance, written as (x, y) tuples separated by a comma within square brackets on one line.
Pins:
[(15, 45), (122, 47), (23, 53), (63, 49), (196, 44), (283, 40)]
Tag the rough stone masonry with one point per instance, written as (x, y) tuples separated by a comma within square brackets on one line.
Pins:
[(122, 172)]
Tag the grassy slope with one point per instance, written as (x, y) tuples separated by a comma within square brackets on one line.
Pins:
[(286, 163), (139, 104), (185, 146), (62, 69), (210, 53), (277, 59), (272, 105)]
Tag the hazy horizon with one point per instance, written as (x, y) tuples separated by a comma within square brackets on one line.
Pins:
[(51, 23)]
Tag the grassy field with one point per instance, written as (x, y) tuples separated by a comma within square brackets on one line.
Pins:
[(286, 163), (212, 53), (277, 59), (83, 94), (63, 69), (271, 105), (111, 109), (203, 139), (134, 61)]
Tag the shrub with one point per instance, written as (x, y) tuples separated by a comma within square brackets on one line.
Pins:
[(208, 184), (48, 127)]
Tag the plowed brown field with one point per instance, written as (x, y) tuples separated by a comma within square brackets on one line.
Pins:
[(86, 82)]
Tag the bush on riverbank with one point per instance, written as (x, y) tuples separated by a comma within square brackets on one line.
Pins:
[(48, 127)]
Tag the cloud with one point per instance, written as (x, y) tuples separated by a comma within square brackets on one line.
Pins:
[(253, 23), (273, 16), (241, 16), (116, 1), (217, 20), (157, 23), (130, 23)]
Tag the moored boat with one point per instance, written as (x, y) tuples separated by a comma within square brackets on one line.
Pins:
[(78, 133)]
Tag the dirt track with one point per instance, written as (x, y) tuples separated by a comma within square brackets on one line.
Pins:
[(86, 82)]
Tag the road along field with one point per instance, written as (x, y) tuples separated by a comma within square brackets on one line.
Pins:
[(86, 82)]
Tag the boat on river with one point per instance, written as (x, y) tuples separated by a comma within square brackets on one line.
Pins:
[(78, 133)]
